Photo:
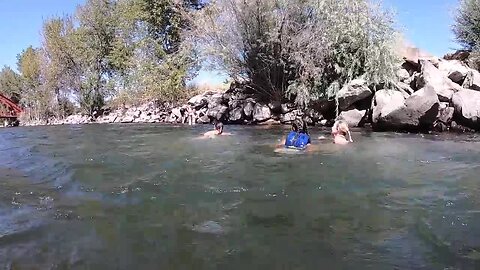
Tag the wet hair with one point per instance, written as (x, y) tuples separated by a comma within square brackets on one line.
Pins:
[(219, 127), (299, 126), (343, 128)]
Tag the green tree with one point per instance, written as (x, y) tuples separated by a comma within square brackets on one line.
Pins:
[(154, 48), (467, 29), (93, 42), (10, 84), (34, 95), (60, 71), (467, 24)]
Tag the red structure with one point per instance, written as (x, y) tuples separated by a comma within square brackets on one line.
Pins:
[(9, 110)]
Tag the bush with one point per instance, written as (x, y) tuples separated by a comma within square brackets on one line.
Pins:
[(299, 49), (467, 29)]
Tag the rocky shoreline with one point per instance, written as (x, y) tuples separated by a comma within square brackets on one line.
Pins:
[(430, 94)]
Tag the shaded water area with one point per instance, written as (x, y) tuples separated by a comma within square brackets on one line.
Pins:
[(157, 197)]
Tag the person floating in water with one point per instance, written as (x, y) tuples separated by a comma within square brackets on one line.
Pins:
[(340, 131), (298, 138), (218, 131)]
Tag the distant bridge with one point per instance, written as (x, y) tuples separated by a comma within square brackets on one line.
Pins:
[(10, 110)]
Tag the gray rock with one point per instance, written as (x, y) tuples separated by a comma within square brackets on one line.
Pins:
[(384, 103), (404, 88), (248, 110), (261, 113), (454, 70), (127, 119), (354, 118), (403, 75), (352, 92), (198, 102), (215, 100), (235, 115), (217, 112), (472, 80), (419, 111), (177, 113), (443, 86), (288, 117), (467, 108)]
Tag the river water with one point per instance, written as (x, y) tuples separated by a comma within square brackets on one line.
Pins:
[(158, 197)]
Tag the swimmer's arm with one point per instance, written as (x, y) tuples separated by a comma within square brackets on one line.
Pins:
[(280, 143), (209, 134), (350, 136)]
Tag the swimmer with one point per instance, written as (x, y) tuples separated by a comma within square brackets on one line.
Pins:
[(217, 132), (339, 132), (298, 138)]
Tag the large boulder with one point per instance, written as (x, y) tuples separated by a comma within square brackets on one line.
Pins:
[(248, 109), (454, 70), (472, 80), (354, 118), (198, 101), (261, 113), (290, 116), (384, 103), (235, 115), (404, 88), (215, 100), (419, 111), (443, 86), (403, 75), (467, 108), (352, 92), (177, 113), (217, 112)]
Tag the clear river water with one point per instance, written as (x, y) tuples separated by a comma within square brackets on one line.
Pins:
[(158, 197)]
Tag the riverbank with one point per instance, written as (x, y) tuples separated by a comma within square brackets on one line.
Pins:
[(430, 94)]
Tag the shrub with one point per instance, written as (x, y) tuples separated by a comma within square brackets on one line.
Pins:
[(299, 49)]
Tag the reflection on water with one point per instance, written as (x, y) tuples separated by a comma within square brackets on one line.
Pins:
[(158, 197)]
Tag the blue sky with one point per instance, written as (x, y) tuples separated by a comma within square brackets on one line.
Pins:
[(426, 24)]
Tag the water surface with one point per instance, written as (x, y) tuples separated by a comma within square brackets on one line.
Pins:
[(157, 197)]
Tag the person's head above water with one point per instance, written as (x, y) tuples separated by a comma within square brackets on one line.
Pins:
[(219, 127), (343, 128), (299, 126)]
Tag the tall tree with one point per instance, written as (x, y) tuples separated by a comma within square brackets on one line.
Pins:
[(467, 30), (60, 68), (10, 84), (467, 24), (94, 39), (34, 94)]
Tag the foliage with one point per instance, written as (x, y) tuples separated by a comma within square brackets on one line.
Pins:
[(10, 83), (467, 29), (302, 49), (467, 24), (135, 47)]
